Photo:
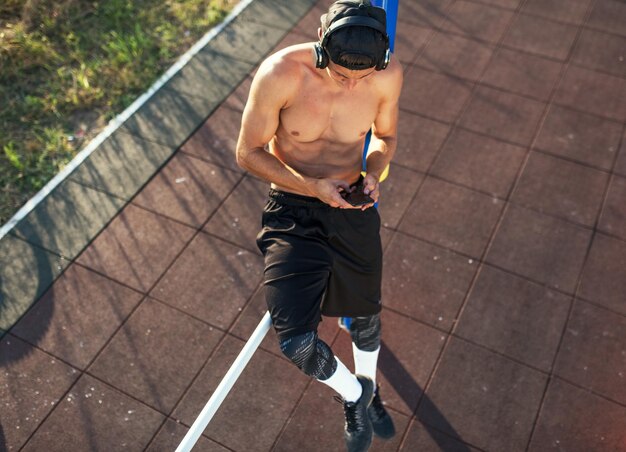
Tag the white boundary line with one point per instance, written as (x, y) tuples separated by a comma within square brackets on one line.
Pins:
[(116, 122)]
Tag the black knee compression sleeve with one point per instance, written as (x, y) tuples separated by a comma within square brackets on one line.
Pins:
[(310, 354), (365, 332)]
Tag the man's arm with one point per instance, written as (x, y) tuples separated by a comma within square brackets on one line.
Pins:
[(273, 86), (384, 131)]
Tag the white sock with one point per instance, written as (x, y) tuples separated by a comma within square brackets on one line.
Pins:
[(365, 362), (344, 382)]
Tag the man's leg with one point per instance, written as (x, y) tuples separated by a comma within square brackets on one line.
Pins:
[(365, 333), (315, 358), (298, 265)]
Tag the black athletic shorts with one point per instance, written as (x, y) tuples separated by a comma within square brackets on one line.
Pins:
[(318, 260)]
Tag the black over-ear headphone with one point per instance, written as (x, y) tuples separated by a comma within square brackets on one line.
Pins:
[(321, 57)]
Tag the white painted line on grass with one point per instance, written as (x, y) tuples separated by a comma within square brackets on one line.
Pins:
[(116, 122)]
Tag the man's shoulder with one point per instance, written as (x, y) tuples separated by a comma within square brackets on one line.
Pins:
[(389, 81), (393, 72), (288, 62), (281, 76)]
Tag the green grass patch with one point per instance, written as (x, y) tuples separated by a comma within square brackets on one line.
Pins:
[(68, 66)]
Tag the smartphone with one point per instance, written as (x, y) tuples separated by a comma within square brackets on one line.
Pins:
[(357, 198)]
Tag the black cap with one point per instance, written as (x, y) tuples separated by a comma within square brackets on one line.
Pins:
[(371, 51), (350, 8)]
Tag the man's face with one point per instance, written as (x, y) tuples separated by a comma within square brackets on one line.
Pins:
[(347, 78)]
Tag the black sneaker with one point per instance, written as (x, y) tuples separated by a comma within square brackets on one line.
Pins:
[(358, 430), (381, 421)]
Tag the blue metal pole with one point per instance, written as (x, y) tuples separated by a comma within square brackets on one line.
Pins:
[(391, 8)]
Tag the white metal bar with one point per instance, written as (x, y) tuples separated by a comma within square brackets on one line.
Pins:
[(225, 386)]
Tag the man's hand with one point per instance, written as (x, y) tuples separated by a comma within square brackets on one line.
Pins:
[(370, 187), (329, 191)]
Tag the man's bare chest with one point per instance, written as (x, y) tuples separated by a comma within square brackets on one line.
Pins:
[(342, 117)]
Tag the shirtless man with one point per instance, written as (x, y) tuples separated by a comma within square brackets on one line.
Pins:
[(311, 106)]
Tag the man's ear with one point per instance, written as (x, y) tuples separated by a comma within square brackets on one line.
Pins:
[(319, 33)]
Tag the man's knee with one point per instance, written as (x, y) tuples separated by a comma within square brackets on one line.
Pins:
[(365, 332), (310, 354)]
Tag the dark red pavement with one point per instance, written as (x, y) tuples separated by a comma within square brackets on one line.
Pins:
[(504, 327)]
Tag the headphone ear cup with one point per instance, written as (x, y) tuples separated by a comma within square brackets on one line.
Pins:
[(321, 58), (383, 64)]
